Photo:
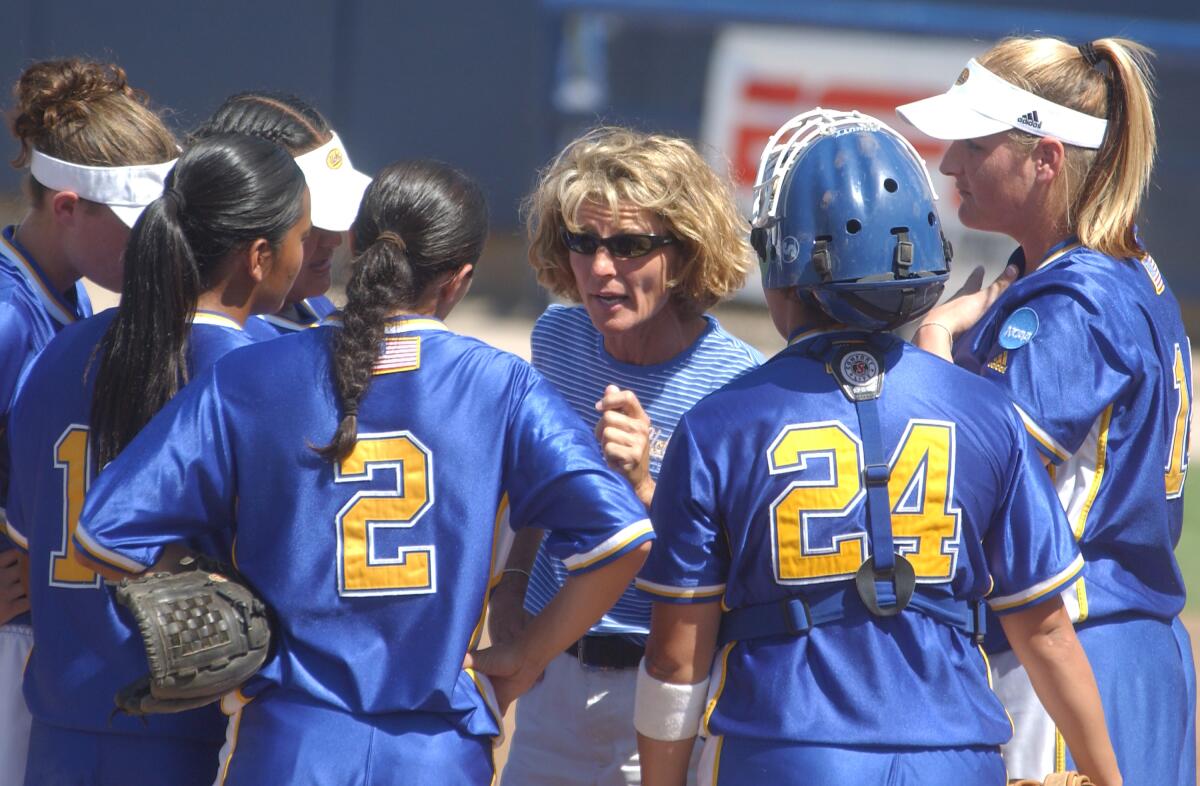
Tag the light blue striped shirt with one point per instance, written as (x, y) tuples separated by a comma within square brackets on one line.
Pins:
[(569, 352)]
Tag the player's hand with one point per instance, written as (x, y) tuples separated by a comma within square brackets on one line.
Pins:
[(14, 584), (506, 608), (624, 434), (508, 669), (971, 302)]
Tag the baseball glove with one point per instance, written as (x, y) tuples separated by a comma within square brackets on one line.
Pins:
[(1057, 779), (204, 633)]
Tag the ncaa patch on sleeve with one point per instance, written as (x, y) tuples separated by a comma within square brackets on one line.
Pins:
[(1019, 328)]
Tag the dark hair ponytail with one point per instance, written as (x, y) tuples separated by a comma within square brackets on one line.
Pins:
[(284, 119), (418, 220), (224, 193)]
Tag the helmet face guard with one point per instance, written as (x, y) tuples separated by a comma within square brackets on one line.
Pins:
[(844, 210)]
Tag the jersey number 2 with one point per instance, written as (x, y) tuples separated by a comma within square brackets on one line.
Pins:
[(71, 456), (366, 566), (925, 523)]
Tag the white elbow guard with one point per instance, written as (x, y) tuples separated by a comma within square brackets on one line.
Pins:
[(666, 711)]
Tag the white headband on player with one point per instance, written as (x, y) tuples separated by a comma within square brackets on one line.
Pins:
[(335, 188), (981, 103), (125, 189)]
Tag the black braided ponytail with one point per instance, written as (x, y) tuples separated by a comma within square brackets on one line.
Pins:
[(284, 119), (418, 221)]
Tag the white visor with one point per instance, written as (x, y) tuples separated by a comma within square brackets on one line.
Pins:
[(334, 186), (125, 189), (981, 103)]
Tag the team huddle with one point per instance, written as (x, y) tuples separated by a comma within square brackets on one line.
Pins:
[(862, 560)]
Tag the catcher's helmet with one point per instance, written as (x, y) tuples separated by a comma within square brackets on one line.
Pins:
[(844, 210)]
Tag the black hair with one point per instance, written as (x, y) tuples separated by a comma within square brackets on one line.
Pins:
[(418, 220), (284, 119), (224, 193)]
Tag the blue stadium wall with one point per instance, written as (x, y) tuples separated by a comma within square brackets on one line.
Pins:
[(469, 81)]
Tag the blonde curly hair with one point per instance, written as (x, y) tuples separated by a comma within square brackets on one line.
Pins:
[(665, 175)]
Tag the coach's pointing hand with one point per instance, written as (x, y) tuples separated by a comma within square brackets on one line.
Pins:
[(624, 434)]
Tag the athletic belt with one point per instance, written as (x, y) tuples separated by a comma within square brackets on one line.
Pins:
[(797, 616), (607, 652)]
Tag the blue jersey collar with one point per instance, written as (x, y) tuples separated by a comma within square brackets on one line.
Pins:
[(307, 313), (1056, 252), (401, 323), (806, 333), (56, 304), (217, 319)]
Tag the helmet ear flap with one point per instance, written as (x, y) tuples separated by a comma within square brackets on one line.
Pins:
[(758, 241)]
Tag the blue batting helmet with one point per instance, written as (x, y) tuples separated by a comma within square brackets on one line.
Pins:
[(844, 210)]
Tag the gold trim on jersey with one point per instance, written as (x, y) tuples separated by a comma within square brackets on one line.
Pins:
[(1040, 589), (609, 547), (1057, 255), (1042, 436), (716, 694), (668, 591), (1098, 477), (110, 558), (14, 535), (232, 704), (41, 287), (487, 693), (709, 766), (821, 331), (494, 575), (215, 318), (416, 323), (1081, 599), (483, 684)]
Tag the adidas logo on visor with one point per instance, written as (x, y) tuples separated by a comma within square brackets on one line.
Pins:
[(1030, 119)]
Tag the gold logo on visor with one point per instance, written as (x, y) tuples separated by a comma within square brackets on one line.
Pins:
[(966, 73), (334, 159)]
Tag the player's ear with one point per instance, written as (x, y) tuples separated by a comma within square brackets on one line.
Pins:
[(64, 204), (1049, 158), (259, 258), (454, 289)]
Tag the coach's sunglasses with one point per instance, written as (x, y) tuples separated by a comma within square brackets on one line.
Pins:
[(623, 246)]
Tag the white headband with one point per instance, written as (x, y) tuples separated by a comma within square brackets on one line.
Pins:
[(981, 103), (335, 188), (125, 189)]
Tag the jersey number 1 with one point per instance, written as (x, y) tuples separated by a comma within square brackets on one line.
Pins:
[(1176, 469), (71, 456), (364, 524)]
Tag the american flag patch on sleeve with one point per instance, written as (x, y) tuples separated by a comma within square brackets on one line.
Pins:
[(1152, 270), (400, 353)]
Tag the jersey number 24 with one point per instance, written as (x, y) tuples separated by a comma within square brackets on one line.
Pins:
[(814, 541)]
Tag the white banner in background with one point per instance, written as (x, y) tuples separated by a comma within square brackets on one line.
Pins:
[(759, 77)]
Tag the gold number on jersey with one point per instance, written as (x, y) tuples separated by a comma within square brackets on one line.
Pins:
[(807, 504), (925, 524), (1176, 469), (365, 567), (71, 456)]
